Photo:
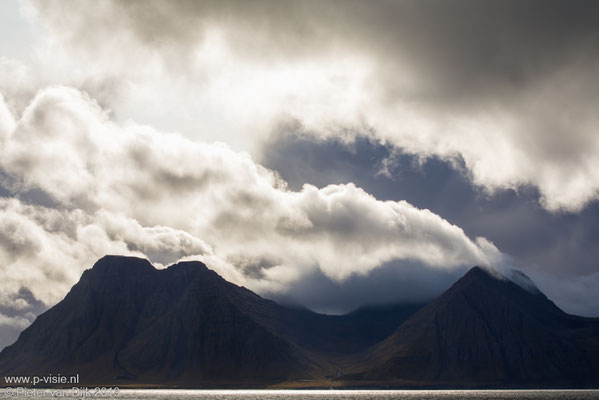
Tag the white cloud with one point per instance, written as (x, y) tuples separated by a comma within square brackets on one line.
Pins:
[(16, 322), (129, 189), (7, 121), (45, 250)]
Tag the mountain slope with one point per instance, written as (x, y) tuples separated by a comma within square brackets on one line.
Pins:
[(486, 330), (126, 321)]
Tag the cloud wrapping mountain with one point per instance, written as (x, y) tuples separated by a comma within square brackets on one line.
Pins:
[(79, 185)]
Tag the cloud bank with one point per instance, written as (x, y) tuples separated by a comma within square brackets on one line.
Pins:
[(547, 246)]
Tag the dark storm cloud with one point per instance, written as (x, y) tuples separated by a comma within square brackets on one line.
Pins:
[(487, 48), (562, 245), (460, 49), (499, 36)]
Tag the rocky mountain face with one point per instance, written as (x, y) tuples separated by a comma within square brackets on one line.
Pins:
[(127, 323)]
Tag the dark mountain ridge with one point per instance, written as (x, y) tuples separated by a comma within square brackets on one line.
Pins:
[(127, 323), (487, 330)]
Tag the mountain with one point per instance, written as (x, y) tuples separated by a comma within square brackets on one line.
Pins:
[(127, 322), (487, 330)]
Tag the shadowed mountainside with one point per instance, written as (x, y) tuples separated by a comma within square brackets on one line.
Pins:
[(488, 331), (127, 323)]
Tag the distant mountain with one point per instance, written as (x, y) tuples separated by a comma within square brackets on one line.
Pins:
[(126, 322), (488, 331)]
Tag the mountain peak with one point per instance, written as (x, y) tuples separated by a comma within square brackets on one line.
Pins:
[(488, 328), (189, 265), (477, 270), (480, 275), (115, 267), (121, 262), (524, 281), (509, 275)]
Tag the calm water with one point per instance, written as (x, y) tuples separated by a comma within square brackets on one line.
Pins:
[(306, 394)]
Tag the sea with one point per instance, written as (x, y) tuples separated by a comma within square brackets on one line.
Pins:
[(153, 394)]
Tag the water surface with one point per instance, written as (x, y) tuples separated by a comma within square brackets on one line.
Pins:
[(152, 394)]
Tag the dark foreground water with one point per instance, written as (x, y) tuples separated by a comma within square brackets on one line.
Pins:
[(299, 394)]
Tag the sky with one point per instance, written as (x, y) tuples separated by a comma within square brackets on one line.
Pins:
[(329, 154)]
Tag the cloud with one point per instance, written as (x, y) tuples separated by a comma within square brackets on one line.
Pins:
[(505, 91), (18, 84), (553, 247), (128, 189), (7, 122), (508, 87), (16, 322)]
